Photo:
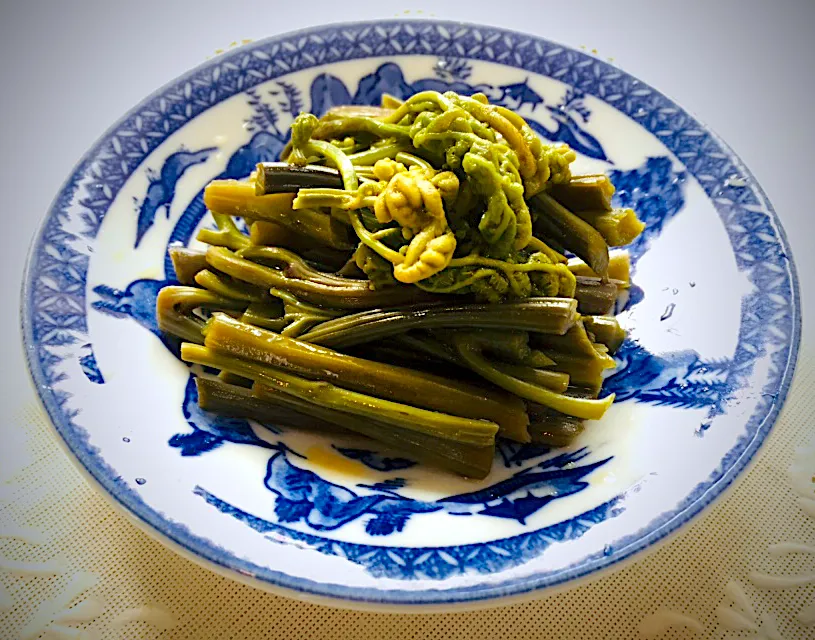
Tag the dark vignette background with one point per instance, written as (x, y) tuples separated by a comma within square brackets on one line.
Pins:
[(69, 69)]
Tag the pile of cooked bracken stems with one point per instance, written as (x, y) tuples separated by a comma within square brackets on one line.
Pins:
[(405, 278)]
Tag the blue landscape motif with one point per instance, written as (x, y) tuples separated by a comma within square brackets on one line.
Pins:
[(212, 430), (677, 379), (429, 563), (452, 74), (374, 460), (303, 496), (161, 190), (89, 366)]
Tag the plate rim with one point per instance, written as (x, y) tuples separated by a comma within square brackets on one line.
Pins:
[(226, 562)]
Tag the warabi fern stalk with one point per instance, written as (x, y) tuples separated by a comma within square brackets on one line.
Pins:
[(236, 401), (229, 336), (584, 193), (428, 273), (618, 227), (619, 268), (473, 461), (187, 263), (548, 315), (470, 347), (234, 198), (293, 275), (475, 432), (176, 307)]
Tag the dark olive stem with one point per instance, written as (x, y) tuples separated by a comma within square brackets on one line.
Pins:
[(551, 427), (232, 337), (464, 459), (282, 177), (619, 268), (323, 289), (229, 287), (576, 340), (443, 426), (594, 296), (550, 315), (187, 263), (606, 330), (237, 401), (234, 198), (585, 193), (470, 349), (175, 306), (554, 221), (618, 227)]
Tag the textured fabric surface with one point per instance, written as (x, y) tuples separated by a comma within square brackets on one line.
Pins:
[(41, 493)]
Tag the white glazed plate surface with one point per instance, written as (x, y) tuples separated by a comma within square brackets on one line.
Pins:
[(714, 324)]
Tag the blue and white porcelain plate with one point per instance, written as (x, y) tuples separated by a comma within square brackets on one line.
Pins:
[(714, 324)]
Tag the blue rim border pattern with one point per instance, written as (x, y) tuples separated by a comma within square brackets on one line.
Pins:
[(705, 156)]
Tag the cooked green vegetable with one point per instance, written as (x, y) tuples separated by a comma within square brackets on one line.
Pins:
[(619, 268), (595, 296), (270, 234), (606, 330), (547, 315), (432, 423), (175, 308), (550, 427), (555, 221), (234, 198), (186, 263), (584, 193), (470, 347), (282, 177), (228, 234), (272, 315), (307, 283), (576, 341), (473, 461), (583, 371), (491, 153), (553, 380), (218, 396), (267, 405), (405, 278), (234, 380), (229, 336), (229, 287), (618, 226)]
